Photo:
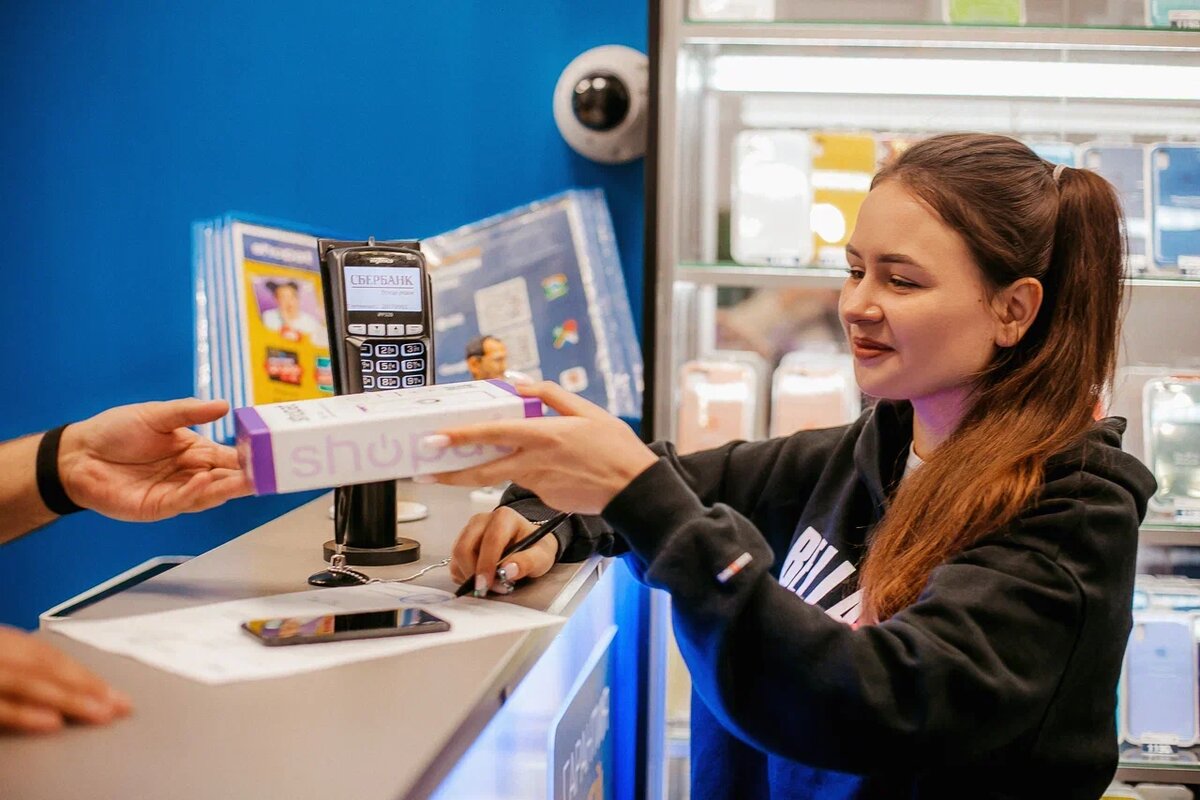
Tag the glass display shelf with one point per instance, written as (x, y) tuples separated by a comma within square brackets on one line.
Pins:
[(1069, 36), (1167, 534), (1124, 15), (1180, 766)]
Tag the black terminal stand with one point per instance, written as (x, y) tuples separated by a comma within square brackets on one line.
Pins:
[(365, 514)]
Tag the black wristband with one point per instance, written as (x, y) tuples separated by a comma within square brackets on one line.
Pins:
[(49, 483)]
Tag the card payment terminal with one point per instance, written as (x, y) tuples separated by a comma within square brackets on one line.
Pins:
[(378, 309)]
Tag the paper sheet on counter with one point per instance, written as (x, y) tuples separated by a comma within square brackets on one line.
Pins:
[(206, 643)]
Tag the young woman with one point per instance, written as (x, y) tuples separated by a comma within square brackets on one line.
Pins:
[(934, 600)]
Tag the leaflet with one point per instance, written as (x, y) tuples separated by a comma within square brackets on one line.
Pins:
[(206, 643)]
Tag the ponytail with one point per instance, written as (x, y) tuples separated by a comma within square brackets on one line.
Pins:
[(1037, 397)]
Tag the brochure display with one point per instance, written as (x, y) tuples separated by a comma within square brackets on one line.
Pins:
[(546, 280), (260, 321)]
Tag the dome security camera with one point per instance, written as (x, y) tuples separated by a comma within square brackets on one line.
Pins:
[(601, 104)]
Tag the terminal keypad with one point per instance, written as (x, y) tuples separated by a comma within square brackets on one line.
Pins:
[(392, 365)]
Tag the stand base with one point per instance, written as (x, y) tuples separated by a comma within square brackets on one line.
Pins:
[(403, 552)]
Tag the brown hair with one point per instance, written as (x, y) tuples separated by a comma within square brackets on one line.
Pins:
[(1037, 397)]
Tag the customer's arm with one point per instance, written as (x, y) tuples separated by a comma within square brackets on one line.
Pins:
[(137, 462)]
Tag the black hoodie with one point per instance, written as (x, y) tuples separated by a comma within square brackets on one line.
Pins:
[(999, 682)]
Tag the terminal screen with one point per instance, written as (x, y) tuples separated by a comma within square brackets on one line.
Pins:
[(383, 289)]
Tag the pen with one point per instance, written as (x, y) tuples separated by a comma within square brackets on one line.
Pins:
[(529, 541)]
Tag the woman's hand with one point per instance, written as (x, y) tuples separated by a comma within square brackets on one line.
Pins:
[(575, 462), (478, 547), (41, 688)]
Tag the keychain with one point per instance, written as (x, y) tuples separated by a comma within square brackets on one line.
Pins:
[(340, 574)]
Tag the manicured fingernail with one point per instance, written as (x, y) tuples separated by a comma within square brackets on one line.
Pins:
[(503, 587), (481, 586), (424, 479), (436, 441), (512, 571)]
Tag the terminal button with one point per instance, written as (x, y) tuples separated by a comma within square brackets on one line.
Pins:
[(387, 366), (413, 365), (412, 349), (414, 380), (366, 365), (368, 382), (358, 329), (387, 350), (388, 382), (413, 330), (395, 330)]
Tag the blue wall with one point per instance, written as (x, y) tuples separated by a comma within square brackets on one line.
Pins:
[(125, 121)]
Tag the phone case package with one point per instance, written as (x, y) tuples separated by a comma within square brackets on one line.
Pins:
[(984, 12), (1178, 14), (842, 166), (772, 198), (718, 403), (1171, 422), (1056, 152), (1175, 207), (359, 438), (1159, 681), (813, 390), (731, 10), (1124, 166), (1126, 399)]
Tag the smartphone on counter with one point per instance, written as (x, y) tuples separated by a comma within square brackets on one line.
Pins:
[(339, 627)]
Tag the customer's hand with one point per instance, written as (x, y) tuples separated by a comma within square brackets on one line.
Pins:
[(41, 688), (479, 545), (577, 461), (141, 463)]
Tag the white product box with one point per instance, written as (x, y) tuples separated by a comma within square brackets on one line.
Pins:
[(359, 438)]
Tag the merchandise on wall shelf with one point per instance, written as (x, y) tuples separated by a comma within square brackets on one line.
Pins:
[(259, 315), (1175, 207), (771, 201), (1170, 593), (736, 10), (1126, 399), (546, 280), (1124, 166), (1172, 437), (984, 12), (720, 400), (796, 194), (1056, 152), (813, 390), (842, 166), (1177, 14), (1160, 681)]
